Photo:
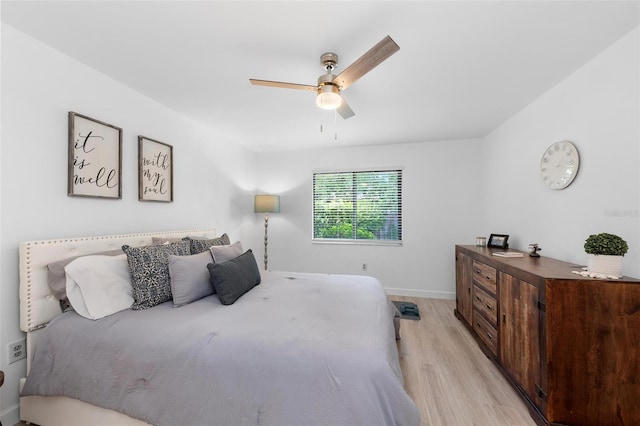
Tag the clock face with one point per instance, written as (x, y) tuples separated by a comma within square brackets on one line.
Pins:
[(559, 165)]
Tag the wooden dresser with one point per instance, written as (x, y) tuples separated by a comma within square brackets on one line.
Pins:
[(569, 345)]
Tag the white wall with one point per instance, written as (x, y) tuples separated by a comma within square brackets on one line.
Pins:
[(39, 86), (597, 108), (441, 191)]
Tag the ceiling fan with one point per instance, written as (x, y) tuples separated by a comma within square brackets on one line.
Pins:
[(330, 86)]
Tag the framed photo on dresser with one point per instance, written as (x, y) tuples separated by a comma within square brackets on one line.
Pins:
[(498, 241)]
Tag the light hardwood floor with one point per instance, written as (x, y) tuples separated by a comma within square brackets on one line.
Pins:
[(451, 381)]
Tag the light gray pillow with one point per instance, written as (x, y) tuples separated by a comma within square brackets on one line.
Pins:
[(189, 278), (223, 253)]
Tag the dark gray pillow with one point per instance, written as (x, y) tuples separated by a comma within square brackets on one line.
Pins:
[(198, 246), (149, 267), (190, 280), (235, 277)]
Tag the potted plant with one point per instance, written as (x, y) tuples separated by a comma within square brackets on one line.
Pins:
[(605, 253)]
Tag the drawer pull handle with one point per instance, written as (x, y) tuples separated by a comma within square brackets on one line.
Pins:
[(489, 336), (478, 298), (490, 307), (504, 318), (487, 277)]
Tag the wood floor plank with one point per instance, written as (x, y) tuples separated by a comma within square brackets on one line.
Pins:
[(448, 376)]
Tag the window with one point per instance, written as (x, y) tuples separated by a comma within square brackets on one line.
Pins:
[(358, 206)]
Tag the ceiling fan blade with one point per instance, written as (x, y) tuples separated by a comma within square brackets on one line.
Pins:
[(345, 110), (365, 63), (283, 85)]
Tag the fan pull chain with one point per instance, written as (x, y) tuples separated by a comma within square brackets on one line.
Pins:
[(335, 124)]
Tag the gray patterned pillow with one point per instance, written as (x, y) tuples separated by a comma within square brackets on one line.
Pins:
[(149, 266), (198, 246)]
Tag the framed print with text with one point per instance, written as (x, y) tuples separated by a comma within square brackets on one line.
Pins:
[(95, 158), (155, 170)]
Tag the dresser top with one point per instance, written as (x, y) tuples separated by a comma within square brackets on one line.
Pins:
[(543, 267)]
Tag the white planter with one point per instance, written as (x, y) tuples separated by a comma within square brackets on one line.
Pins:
[(605, 264)]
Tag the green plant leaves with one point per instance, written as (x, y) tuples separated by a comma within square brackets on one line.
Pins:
[(605, 244)]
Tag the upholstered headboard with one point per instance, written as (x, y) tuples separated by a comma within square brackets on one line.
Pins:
[(37, 305)]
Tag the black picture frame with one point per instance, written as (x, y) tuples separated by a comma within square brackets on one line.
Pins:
[(498, 241)]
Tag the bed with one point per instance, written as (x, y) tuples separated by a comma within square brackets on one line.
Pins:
[(295, 349)]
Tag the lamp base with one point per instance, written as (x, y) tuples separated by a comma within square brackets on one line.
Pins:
[(266, 225)]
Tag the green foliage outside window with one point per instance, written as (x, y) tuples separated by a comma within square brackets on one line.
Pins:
[(358, 205)]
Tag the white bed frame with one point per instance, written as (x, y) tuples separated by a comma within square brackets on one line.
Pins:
[(38, 307)]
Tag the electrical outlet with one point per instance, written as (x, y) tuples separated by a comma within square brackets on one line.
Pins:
[(364, 266), (17, 350)]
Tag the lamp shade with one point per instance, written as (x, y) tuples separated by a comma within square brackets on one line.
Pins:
[(266, 204)]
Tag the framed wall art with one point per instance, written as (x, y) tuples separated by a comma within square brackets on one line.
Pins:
[(95, 158), (155, 170)]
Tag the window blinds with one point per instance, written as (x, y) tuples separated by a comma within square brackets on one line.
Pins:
[(358, 205)]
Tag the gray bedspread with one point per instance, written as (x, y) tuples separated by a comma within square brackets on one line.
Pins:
[(298, 349)]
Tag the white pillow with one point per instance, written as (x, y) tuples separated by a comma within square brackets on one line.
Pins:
[(98, 286), (223, 253)]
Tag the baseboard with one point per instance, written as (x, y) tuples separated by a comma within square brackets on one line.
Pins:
[(11, 415), (429, 294)]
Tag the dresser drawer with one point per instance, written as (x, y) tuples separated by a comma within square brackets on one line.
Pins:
[(484, 275), (486, 332), (486, 304)]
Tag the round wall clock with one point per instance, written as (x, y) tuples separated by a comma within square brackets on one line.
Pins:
[(559, 165)]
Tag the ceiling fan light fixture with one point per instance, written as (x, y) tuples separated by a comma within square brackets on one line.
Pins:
[(330, 86), (328, 97)]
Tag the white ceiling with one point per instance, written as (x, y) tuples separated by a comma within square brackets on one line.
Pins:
[(463, 68)]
